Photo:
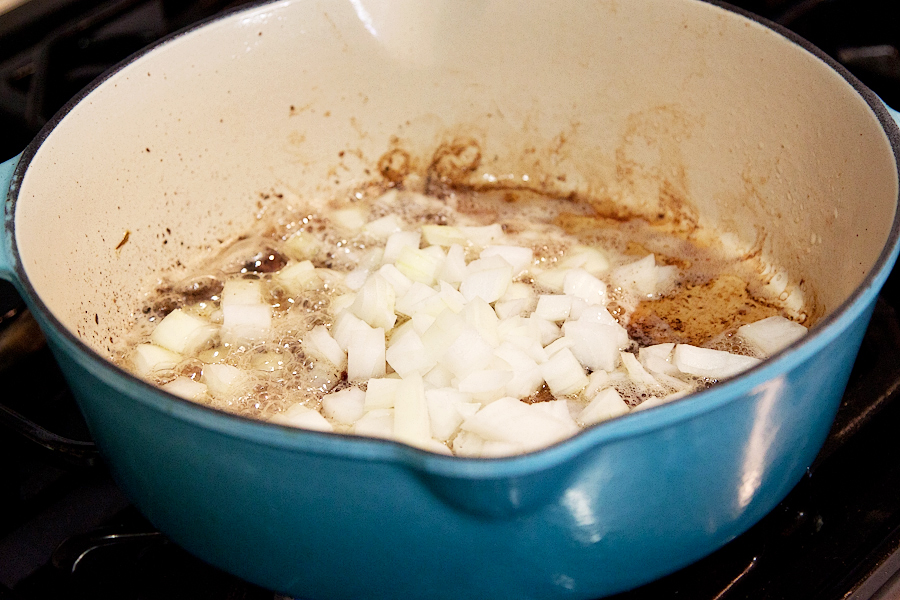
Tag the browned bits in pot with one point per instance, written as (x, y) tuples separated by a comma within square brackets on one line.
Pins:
[(698, 312), (542, 395), (394, 165), (267, 261)]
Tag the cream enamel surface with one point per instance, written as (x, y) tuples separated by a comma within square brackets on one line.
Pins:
[(176, 148)]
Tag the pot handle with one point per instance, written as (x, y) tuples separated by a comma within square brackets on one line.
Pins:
[(6, 263)]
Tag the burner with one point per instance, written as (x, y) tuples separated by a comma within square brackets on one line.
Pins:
[(128, 560)]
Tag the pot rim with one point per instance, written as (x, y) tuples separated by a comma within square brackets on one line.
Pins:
[(384, 450)]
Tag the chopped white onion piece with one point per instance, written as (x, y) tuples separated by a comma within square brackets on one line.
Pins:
[(322, 344), (468, 352), (520, 291), (454, 300), (549, 331), (408, 356), (183, 333), (375, 423), (398, 241), (579, 307), (597, 380), (485, 385), (303, 417), (481, 317), (714, 364), (486, 278), (243, 291), (523, 334), (302, 246), (454, 268), (374, 303), (443, 235), (551, 279), (186, 388), (444, 411), (342, 301), (483, 236), (222, 379), (147, 358), (443, 332), (555, 307), (438, 377), (657, 400), (380, 393), (606, 404), (421, 322), (512, 308), (590, 259), (596, 346), (350, 219), (563, 373), (771, 334), (419, 265), (369, 262), (514, 422), (400, 282), (526, 376), (411, 423), (559, 410), (382, 228), (636, 371), (345, 406), (246, 323), (345, 325), (365, 354), (658, 358), (468, 444), (559, 344), (518, 257), (418, 298), (581, 284), (644, 278), (597, 314), (298, 277)]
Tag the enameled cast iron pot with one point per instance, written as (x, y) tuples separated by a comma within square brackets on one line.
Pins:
[(679, 110)]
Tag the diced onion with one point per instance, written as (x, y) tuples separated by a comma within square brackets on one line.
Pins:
[(365, 354), (223, 379), (147, 358), (606, 404), (183, 333), (303, 417), (564, 374), (771, 334), (714, 364), (345, 406), (186, 388)]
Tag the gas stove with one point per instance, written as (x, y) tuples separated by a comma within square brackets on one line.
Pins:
[(66, 530)]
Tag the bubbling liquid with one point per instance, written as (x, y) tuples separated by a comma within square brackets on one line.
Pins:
[(703, 305)]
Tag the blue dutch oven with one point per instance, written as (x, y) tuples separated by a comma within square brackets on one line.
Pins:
[(663, 107)]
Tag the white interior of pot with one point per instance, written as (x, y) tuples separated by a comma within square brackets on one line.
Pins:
[(650, 104)]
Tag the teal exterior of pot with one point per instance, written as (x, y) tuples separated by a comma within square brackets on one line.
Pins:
[(329, 516), (318, 515)]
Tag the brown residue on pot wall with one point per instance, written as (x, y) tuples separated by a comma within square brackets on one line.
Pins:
[(650, 170), (642, 176)]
